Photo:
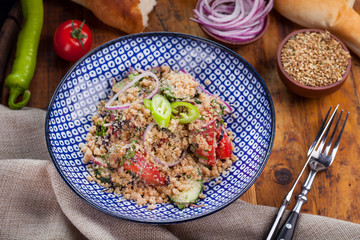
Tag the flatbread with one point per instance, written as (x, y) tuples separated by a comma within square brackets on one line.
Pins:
[(336, 16), (130, 16)]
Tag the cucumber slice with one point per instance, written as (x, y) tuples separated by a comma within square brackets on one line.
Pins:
[(191, 195)]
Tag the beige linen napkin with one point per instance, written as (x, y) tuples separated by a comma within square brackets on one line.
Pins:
[(35, 203)]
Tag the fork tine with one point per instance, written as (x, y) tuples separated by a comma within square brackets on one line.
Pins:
[(336, 145), (328, 145), (319, 133), (323, 140)]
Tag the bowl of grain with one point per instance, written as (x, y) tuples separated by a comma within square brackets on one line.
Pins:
[(313, 63)]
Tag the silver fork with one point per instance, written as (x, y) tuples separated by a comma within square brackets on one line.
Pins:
[(286, 201), (321, 159)]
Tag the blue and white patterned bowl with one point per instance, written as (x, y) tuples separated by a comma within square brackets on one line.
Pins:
[(232, 78)]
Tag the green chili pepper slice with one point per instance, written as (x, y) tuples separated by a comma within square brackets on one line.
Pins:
[(23, 69), (185, 112), (161, 110), (147, 104)]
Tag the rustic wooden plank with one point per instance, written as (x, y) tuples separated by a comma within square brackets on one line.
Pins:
[(250, 195), (298, 120)]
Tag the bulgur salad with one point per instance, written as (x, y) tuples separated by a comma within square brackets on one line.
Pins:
[(158, 138)]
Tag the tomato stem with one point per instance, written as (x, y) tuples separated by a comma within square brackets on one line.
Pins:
[(76, 33)]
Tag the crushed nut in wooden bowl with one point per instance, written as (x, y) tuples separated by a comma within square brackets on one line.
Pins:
[(313, 63)]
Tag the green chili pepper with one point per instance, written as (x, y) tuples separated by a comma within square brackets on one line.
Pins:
[(185, 112), (23, 69), (161, 110), (147, 104)]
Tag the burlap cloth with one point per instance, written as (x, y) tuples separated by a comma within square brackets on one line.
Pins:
[(35, 203)]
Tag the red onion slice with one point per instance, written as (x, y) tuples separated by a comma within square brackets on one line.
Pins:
[(107, 124), (203, 128), (236, 12), (228, 108), (96, 162), (183, 155), (136, 78), (219, 9), (148, 129), (234, 20)]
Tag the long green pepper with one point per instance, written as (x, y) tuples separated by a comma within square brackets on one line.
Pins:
[(23, 69)]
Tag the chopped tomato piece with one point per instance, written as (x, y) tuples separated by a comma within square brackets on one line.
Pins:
[(145, 170), (224, 148), (208, 155)]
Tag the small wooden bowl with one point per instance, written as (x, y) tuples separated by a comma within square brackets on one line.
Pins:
[(304, 90), (237, 43)]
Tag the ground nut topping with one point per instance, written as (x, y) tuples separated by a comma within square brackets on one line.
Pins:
[(314, 59)]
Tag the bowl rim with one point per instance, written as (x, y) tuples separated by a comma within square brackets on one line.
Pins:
[(239, 43), (322, 88), (166, 34)]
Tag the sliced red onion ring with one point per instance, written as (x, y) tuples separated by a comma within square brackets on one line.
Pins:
[(236, 22), (96, 162), (148, 129), (107, 124), (136, 78), (233, 20), (131, 69), (228, 108), (183, 155)]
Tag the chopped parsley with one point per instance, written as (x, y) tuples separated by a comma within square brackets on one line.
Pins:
[(100, 129), (130, 153), (105, 180), (167, 91), (215, 104)]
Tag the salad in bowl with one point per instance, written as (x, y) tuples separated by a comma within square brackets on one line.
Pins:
[(158, 138)]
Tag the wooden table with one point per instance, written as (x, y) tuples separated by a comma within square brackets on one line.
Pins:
[(335, 192)]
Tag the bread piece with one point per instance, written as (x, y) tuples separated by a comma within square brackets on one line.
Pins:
[(130, 16), (337, 16)]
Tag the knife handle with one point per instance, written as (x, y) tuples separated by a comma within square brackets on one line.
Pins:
[(278, 218), (287, 231)]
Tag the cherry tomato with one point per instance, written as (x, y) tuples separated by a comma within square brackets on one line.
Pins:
[(145, 170), (224, 148), (72, 39), (208, 156)]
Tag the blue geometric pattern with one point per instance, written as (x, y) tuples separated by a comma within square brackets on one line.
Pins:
[(232, 78)]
